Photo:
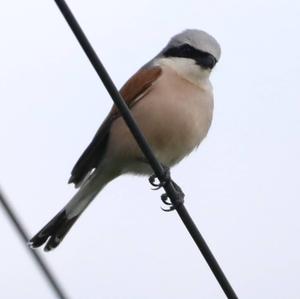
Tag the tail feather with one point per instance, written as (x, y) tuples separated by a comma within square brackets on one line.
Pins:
[(53, 232)]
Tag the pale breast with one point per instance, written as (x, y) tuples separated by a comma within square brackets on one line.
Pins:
[(175, 116)]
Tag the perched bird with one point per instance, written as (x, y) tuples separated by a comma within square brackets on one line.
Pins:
[(171, 99)]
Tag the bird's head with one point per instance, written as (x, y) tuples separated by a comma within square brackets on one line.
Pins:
[(192, 51)]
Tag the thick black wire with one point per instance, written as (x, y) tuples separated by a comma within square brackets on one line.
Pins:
[(157, 167), (35, 255)]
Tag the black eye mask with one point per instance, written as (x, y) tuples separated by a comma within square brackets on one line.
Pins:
[(201, 58)]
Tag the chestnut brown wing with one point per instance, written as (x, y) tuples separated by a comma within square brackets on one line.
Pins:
[(133, 89)]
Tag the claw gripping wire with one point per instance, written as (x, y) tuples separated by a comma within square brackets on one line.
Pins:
[(179, 199)]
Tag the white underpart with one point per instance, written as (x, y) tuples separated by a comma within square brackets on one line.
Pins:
[(188, 69)]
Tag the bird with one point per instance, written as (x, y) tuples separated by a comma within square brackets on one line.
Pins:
[(171, 99)]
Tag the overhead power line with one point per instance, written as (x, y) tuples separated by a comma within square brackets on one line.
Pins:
[(53, 282)]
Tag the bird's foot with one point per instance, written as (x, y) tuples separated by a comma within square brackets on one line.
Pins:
[(179, 200), (164, 197), (167, 179)]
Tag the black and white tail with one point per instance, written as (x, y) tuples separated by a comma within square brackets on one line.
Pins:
[(55, 231)]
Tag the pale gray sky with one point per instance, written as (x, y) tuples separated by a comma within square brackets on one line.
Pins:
[(242, 185)]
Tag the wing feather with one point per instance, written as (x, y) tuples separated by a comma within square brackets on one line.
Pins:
[(135, 88)]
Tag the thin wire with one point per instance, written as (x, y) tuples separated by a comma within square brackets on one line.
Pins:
[(53, 282), (139, 137)]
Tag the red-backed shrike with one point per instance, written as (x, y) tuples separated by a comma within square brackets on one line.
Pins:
[(171, 99)]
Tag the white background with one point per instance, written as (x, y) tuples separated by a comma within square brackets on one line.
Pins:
[(242, 185)]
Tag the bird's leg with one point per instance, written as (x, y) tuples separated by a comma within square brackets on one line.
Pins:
[(164, 197)]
